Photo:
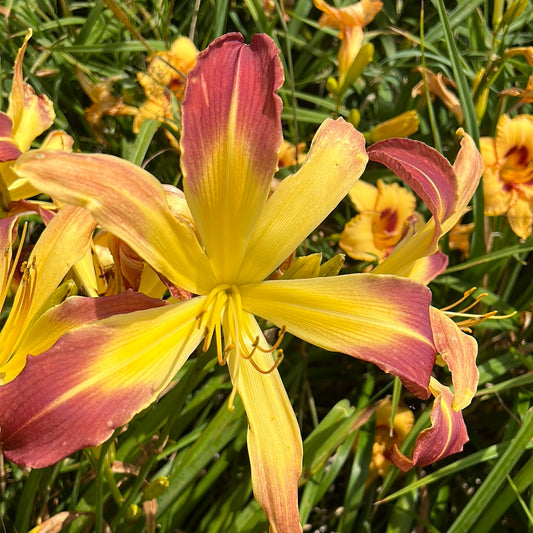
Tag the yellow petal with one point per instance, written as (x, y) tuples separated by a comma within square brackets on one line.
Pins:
[(381, 319), (274, 442), (302, 201), (130, 203)]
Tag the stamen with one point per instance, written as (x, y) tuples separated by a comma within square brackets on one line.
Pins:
[(279, 358), (224, 318), (472, 319), (465, 296)]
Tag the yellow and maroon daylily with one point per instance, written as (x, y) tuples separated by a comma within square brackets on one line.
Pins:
[(62, 243), (28, 115), (221, 247), (508, 175), (446, 190)]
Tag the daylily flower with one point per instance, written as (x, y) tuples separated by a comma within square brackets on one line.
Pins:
[(104, 102), (437, 87), (386, 436), (350, 21), (61, 244), (446, 190), (99, 375), (508, 175), (28, 115), (385, 213), (525, 95), (165, 77)]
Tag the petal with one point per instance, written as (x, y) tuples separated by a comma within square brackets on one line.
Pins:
[(459, 352), (357, 239), (63, 242), (446, 199), (446, 436), (73, 312), (8, 234), (468, 168), (428, 268), (93, 380), (8, 147), (364, 196), (381, 319), (520, 217), (31, 114), (424, 169), (302, 201), (274, 441), (127, 201), (231, 138)]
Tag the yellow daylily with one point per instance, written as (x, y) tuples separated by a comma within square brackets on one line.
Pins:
[(385, 213), (221, 248), (28, 115), (386, 436), (62, 243), (508, 174), (350, 21), (165, 77)]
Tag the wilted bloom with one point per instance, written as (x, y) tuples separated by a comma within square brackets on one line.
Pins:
[(525, 95), (62, 243), (386, 437), (385, 213), (28, 115), (163, 80), (350, 21), (526, 51), (104, 102), (437, 87), (403, 125), (222, 249), (508, 174), (446, 190)]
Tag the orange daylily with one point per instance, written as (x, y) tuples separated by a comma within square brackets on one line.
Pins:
[(222, 249), (350, 21), (508, 174), (386, 437)]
